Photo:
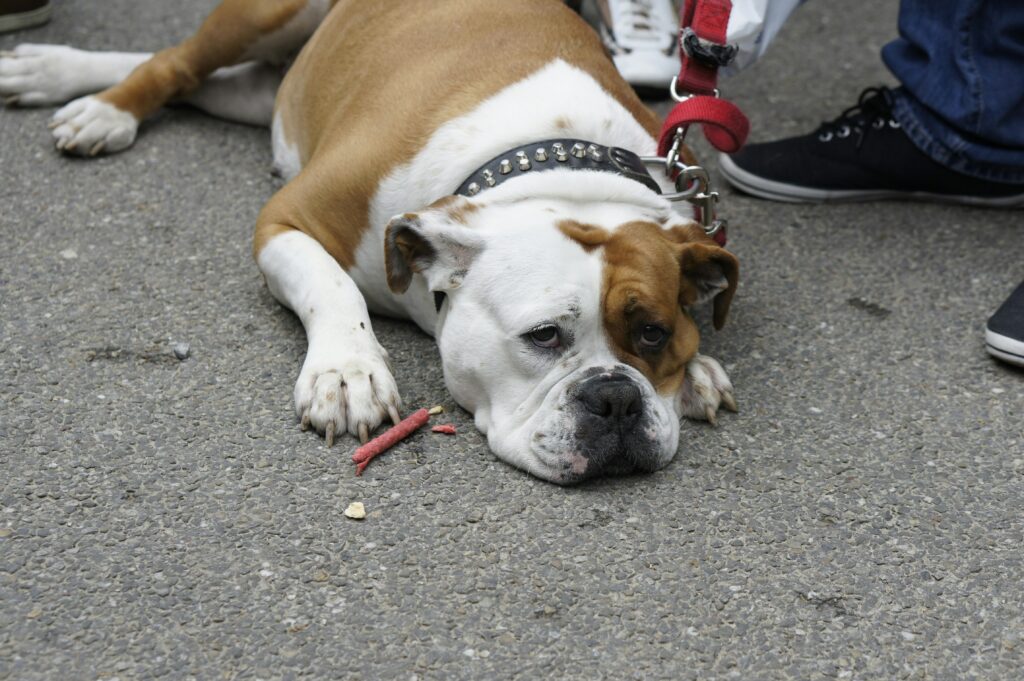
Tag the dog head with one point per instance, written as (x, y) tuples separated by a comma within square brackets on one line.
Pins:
[(565, 328)]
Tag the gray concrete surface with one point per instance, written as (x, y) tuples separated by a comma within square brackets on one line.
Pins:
[(859, 519)]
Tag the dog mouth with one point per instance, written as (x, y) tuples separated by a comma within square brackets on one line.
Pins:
[(585, 445)]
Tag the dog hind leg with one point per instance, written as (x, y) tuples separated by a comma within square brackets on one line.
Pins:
[(236, 31), (40, 75)]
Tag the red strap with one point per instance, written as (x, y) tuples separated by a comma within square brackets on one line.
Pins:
[(724, 124), (709, 19)]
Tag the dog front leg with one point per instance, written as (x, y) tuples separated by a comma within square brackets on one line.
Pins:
[(705, 389), (345, 383)]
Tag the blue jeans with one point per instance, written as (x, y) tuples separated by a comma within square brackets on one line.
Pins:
[(961, 65)]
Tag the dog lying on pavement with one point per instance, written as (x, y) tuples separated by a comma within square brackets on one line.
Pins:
[(470, 165)]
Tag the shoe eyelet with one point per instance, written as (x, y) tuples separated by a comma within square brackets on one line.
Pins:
[(893, 123), (843, 132), (825, 137), (878, 123)]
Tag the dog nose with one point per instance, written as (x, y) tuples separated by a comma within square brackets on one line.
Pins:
[(612, 396)]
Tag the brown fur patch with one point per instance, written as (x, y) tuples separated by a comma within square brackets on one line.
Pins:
[(641, 287), (458, 208), (650, 274), (587, 236)]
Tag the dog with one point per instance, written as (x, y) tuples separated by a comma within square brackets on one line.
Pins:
[(469, 165)]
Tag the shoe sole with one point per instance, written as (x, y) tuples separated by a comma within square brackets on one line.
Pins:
[(792, 193), (1004, 348), (14, 22)]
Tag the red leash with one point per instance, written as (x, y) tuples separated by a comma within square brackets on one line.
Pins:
[(702, 50)]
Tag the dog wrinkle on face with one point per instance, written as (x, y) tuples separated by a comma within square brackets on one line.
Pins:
[(640, 287)]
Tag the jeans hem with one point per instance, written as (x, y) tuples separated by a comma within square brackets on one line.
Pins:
[(904, 111)]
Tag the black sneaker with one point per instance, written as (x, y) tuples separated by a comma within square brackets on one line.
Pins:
[(861, 156), (1004, 335)]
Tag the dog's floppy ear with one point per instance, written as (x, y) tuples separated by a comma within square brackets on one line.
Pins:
[(708, 271), (431, 244)]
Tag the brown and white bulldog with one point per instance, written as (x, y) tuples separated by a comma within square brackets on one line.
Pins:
[(557, 284)]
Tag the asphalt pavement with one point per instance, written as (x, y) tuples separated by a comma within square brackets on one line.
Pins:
[(860, 518)]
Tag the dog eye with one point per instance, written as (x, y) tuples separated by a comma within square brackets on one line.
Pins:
[(546, 336), (652, 337)]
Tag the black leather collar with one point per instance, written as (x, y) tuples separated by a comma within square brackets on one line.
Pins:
[(554, 154)]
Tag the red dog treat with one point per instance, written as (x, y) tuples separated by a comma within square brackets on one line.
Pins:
[(447, 429), (389, 438)]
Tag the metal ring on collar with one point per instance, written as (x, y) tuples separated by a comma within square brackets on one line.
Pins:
[(694, 178)]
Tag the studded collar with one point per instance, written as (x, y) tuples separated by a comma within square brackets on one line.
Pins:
[(571, 154)]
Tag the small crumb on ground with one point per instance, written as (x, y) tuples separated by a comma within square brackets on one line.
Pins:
[(355, 510)]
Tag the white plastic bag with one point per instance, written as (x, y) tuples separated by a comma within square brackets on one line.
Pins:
[(753, 24)]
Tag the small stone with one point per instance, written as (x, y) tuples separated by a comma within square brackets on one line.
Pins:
[(321, 576), (34, 613), (434, 411), (69, 254), (355, 510), (5, 532), (182, 350)]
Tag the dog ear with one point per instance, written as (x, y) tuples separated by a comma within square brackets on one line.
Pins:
[(430, 244), (708, 271)]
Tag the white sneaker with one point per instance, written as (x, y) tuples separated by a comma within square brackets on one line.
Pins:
[(642, 36)]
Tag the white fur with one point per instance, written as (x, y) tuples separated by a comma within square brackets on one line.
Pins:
[(345, 382), (287, 162), (705, 387), (37, 75), (88, 126), (244, 93)]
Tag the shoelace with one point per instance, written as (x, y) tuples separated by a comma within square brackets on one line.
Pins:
[(873, 111), (643, 21)]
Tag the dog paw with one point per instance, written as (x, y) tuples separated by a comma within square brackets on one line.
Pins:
[(37, 75), (89, 126), (339, 392), (706, 388)]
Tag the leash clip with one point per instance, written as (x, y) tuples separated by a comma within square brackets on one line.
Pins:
[(687, 95), (692, 184)]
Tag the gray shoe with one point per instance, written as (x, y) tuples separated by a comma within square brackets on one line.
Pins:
[(18, 14)]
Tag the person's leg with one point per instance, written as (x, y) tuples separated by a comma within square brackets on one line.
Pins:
[(954, 131), (961, 65)]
